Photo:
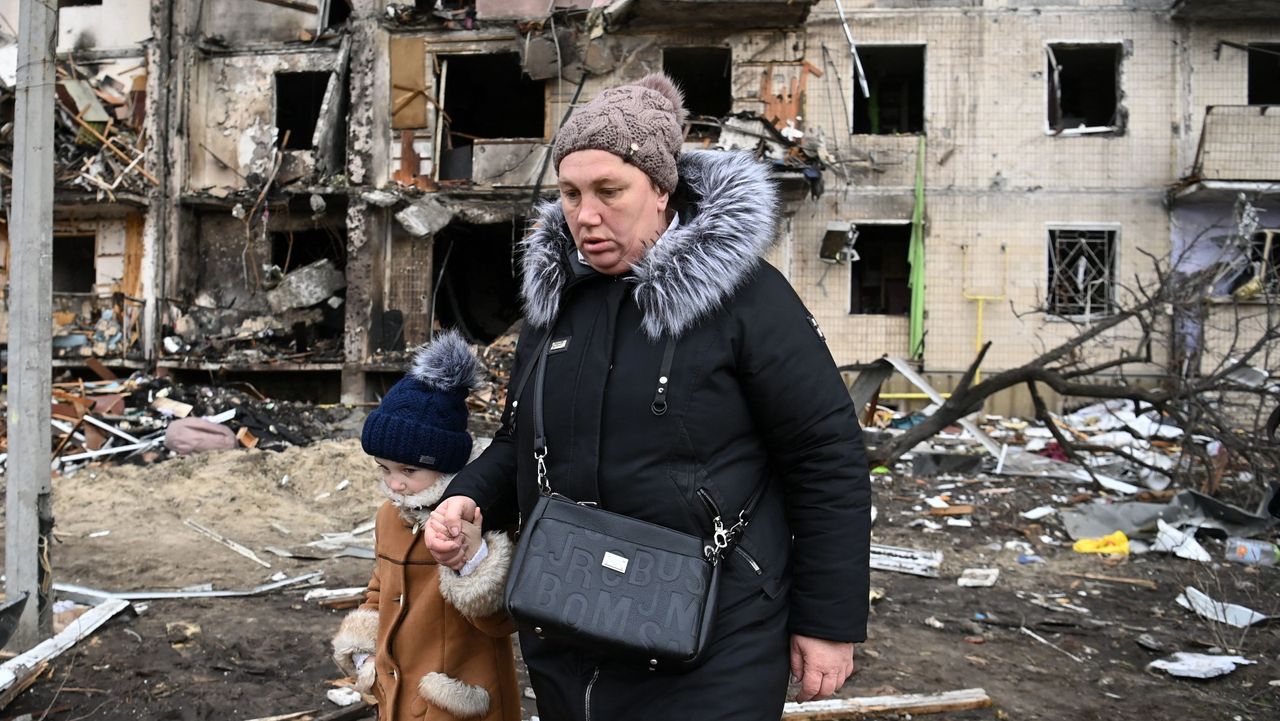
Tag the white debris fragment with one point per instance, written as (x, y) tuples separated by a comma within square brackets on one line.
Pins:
[(343, 696), (978, 577), (1183, 545), (1036, 514), (1199, 665), (1228, 613)]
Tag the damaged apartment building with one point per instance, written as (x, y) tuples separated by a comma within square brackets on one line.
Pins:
[(292, 193)]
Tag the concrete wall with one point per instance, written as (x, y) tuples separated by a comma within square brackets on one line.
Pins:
[(996, 180), (232, 114), (112, 25)]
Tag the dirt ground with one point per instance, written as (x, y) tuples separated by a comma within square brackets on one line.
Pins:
[(234, 659)]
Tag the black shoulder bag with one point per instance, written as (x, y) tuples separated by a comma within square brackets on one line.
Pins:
[(613, 585)]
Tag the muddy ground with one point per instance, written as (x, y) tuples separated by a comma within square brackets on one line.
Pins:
[(244, 658)]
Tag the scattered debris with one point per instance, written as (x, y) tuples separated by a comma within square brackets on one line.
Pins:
[(24, 667), (1228, 613), (226, 542), (1199, 665), (978, 577), (847, 708)]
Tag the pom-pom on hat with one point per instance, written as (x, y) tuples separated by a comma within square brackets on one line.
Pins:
[(641, 123), (422, 420)]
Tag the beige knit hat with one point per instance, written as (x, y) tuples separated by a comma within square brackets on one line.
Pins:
[(642, 123)]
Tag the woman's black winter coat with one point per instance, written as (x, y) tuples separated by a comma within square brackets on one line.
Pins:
[(753, 397)]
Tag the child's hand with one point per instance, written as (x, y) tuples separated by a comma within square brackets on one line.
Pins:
[(471, 537)]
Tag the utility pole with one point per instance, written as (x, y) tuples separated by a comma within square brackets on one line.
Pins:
[(28, 493)]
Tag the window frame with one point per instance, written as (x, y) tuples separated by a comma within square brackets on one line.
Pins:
[(856, 96), (1049, 240), (1049, 84), (848, 277)]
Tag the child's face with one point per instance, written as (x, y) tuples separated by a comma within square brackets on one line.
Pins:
[(405, 479)]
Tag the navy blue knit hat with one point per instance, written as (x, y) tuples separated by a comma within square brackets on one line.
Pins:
[(422, 421)]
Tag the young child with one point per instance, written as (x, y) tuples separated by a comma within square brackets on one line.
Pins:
[(431, 643)]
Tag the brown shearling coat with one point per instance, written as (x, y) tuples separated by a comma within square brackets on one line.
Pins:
[(441, 642)]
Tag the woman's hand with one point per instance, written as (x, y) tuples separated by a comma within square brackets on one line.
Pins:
[(444, 531)]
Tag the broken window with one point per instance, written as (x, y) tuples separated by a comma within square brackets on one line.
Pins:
[(476, 290), (1264, 74), (293, 249), (895, 79), (879, 271), (485, 96), (1264, 256), (339, 11), (704, 76), (1084, 88), (1082, 271), (73, 263), (299, 97)]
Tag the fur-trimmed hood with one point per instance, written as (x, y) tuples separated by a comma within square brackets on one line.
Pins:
[(728, 216)]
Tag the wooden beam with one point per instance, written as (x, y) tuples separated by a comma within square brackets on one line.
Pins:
[(28, 482), (19, 668), (839, 709), (293, 5)]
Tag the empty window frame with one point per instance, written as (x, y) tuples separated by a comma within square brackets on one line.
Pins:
[(485, 96), (1264, 74), (895, 79), (73, 263), (704, 74), (75, 3), (1084, 88), (1082, 272), (299, 97), (879, 277)]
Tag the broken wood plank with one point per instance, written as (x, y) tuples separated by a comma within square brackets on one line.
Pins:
[(905, 560), (914, 703), (27, 665), (113, 148), (336, 597), (101, 370), (176, 408), (294, 5), (960, 510), (285, 716), (1127, 580), (243, 551)]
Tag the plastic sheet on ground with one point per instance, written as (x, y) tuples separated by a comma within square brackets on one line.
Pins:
[(1228, 613), (1188, 509), (1199, 665)]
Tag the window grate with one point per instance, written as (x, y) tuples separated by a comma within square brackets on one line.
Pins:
[(1081, 272)]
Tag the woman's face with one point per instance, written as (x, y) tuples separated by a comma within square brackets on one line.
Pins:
[(614, 210)]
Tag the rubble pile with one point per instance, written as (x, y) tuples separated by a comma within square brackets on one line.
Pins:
[(299, 320), (96, 326), (136, 420), (489, 399), (97, 134)]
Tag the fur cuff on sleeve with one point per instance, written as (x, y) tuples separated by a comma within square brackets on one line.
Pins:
[(366, 676), (480, 594), (357, 634), (449, 694)]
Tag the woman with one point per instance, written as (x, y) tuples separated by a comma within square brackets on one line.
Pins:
[(646, 245)]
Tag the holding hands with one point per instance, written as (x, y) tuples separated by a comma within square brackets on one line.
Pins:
[(453, 532)]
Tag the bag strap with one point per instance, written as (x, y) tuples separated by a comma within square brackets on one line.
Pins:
[(723, 539), (525, 373)]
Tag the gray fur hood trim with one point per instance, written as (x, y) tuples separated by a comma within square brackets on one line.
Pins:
[(728, 213)]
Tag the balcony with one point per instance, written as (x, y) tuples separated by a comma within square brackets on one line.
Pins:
[(1239, 143), (1226, 10), (754, 14)]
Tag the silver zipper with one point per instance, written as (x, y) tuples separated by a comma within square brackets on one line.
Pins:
[(754, 566), (587, 700)]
